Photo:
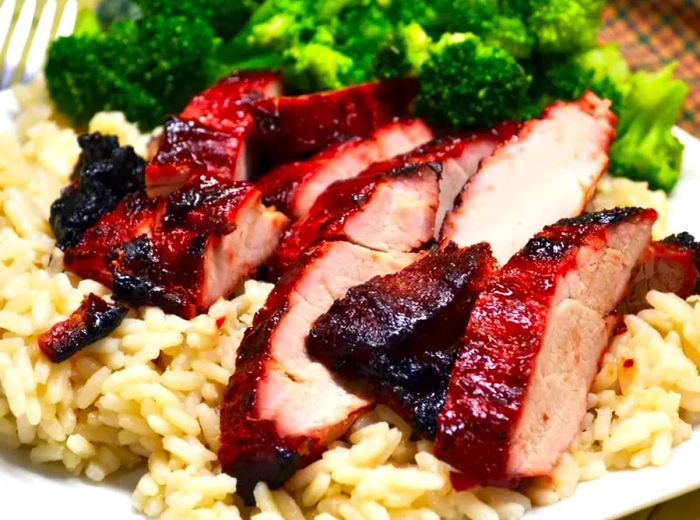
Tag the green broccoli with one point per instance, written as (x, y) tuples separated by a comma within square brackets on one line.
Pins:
[(146, 69), (645, 149), (315, 65), (403, 53), (225, 16), (563, 26), (491, 20), (323, 43), (602, 70), (466, 82)]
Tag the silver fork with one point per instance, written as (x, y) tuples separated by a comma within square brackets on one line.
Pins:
[(26, 28)]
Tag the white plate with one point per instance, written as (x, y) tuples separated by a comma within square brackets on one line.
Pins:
[(28, 491)]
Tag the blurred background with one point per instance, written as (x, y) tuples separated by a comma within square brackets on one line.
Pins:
[(653, 32)]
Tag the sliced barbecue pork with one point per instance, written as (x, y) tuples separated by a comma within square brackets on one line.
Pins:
[(392, 211), (211, 135), (293, 127), (671, 265), (398, 334), (134, 216), (180, 252), (518, 389), (458, 156), (547, 171), (94, 319), (223, 106), (188, 150), (294, 187), (281, 408)]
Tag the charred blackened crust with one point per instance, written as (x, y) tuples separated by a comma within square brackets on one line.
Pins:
[(399, 333), (555, 241), (139, 277), (104, 175), (207, 206), (94, 319)]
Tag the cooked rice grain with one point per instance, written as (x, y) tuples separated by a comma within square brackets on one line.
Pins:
[(151, 390)]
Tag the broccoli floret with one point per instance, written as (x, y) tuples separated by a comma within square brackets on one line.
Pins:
[(564, 26), (602, 70), (511, 34), (403, 53), (146, 69), (225, 16), (316, 66), (466, 82), (645, 149)]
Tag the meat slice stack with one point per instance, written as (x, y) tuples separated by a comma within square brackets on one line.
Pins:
[(392, 211), (211, 136), (545, 172), (293, 127), (398, 334), (518, 389), (294, 187), (281, 408), (670, 265)]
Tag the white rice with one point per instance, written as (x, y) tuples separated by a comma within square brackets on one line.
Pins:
[(151, 391)]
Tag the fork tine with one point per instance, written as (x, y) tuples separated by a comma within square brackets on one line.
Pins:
[(42, 36), (7, 11), (18, 42), (68, 17)]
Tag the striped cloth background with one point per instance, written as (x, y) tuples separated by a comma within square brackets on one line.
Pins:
[(652, 33)]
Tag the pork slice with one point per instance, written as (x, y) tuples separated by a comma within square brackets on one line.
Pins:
[(393, 211), (670, 265), (547, 171), (293, 127), (223, 107), (188, 150), (398, 334), (518, 390), (281, 408), (211, 136), (294, 187), (134, 216)]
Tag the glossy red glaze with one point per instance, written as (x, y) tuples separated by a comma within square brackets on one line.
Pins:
[(489, 381), (188, 150), (279, 187), (207, 206), (293, 127), (223, 106), (132, 217)]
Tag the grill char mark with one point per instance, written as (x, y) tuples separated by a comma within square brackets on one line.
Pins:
[(398, 334)]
